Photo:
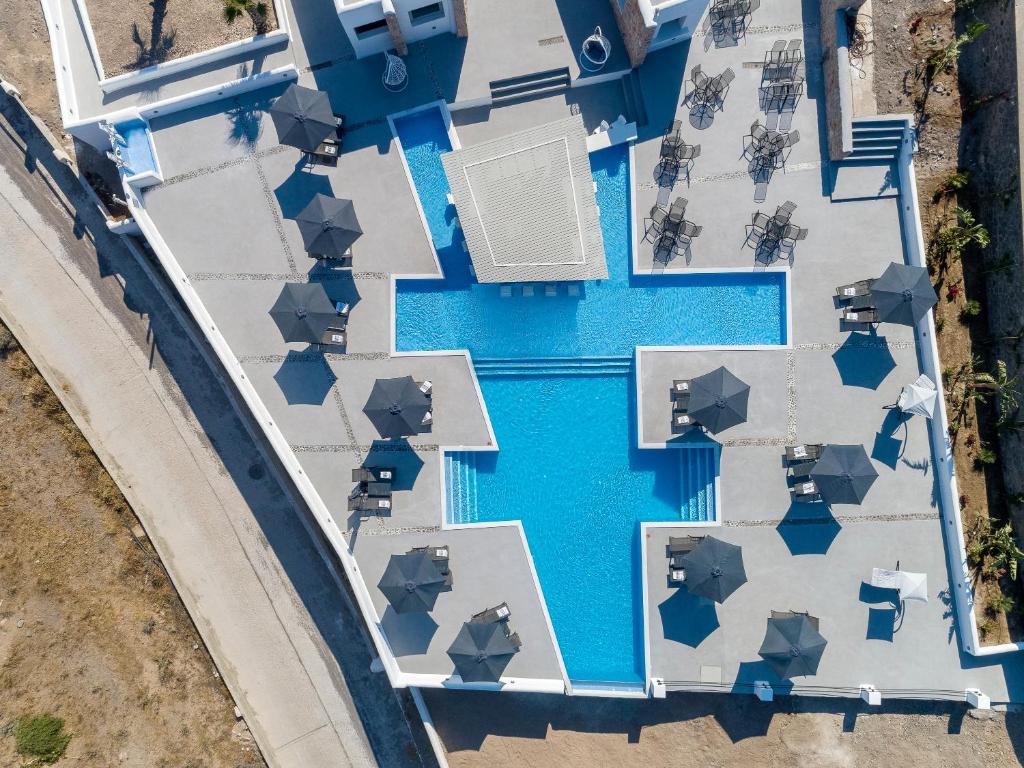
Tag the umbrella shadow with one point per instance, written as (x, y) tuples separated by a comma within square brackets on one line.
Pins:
[(881, 623), (398, 455), (808, 529), (304, 379), (864, 360), (688, 618), (888, 449), (409, 634), (301, 186), (750, 672), (340, 286)]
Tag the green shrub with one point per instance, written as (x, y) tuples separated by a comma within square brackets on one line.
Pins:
[(985, 455), (971, 308), (41, 737), (1001, 604)]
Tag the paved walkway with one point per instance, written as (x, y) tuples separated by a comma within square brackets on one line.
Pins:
[(275, 617)]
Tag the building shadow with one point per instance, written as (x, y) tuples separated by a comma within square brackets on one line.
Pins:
[(660, 82)]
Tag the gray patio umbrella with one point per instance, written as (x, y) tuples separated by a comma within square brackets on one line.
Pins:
[(718, 400), (843, 474), (397, 407), (792, 645), (328, 226), (903, 294), (303, 117), (714, 569), (481, 652), (303, 312), (411, 582)]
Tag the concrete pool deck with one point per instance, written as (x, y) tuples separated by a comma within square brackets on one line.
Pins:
[(226, 213)]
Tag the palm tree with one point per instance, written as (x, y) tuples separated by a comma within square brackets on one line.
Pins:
[(944, 57), (999, 546), (1003, 386), (966, 230), (254, 9)]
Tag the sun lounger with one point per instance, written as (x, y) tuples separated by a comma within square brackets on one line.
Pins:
[(363, 503), (802, 469), (333, 336), (806, 491), (378, 490), (492, 615), (426, 387), (439, 554), (515, 641), (428, 419), (372, 474), (805, 452), (680, 388), (852, 290), (862, 316), (681, 545)]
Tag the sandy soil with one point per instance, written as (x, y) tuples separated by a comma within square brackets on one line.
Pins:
[(25, 59), (715, 731), (132, 34), (906, 33), (91, 629)]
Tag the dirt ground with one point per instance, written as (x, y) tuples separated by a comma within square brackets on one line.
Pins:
[(482, 730), (25, 59), (132, 34), (906, 33), (91, 630)]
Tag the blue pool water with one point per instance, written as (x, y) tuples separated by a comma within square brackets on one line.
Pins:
[(556, 376)]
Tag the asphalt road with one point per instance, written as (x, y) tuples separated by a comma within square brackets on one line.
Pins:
[(274, 614)]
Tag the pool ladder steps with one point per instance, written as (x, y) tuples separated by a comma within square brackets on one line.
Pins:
[(552, 366), (460, 476), (698, 467)]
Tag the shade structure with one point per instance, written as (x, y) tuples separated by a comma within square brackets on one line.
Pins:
[(903, 294), (412, 582), (919, 397), (718, 400), (843, 474), (481, 652), (328, 226), (913, 586), (714, 569), (303, 312), (303, 117), (792, 645), (397, 407)]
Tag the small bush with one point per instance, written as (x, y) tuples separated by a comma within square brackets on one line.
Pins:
[(985, 455), (7, 341), (41, 737), (971, 308), (1001, 604)]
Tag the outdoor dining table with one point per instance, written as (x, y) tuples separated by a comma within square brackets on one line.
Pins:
[(730, 9)]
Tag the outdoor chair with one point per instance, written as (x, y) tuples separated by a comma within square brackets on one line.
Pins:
[(428, 419), (688, 152), (677, 210), (794, 47), (439, 554), (852, 290), (426, 387), (759, 221), (869, 316), (758, 132), (720, 84), (657, 225), (698, 78), (793, 234), (791, 138), (805, 452), (785, 211), (688, 230), (514, 640), (372, 474), (813, 620), (492, 615)]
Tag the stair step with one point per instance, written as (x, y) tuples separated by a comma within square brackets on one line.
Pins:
[(869, 157), (531, 77), (697, 472), (531, 94), (877, 143), (880, 122), (530, 86)]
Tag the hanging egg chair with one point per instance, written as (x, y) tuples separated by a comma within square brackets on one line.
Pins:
[(595, 52)]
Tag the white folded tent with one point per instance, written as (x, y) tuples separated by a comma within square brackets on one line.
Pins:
[(919, 397), (910, 586)]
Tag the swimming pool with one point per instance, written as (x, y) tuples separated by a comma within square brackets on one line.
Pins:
[(557, 377)]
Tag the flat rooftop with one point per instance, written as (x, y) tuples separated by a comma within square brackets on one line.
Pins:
[(526, 204), (825, 386)]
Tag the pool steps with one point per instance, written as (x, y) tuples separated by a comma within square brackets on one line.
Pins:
[(552, 366), (698, 467)]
